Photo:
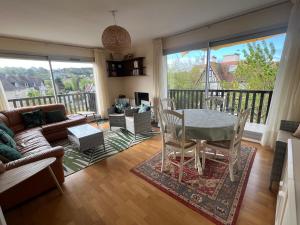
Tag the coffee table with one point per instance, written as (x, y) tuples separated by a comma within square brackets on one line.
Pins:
[(86, 137), (11, 178)]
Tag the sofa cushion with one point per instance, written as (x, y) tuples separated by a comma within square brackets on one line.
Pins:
[(53, 127), (55, 116), (31, 140), (33, 118), (283, 136), (9, 153), (6, 139), (6, 129)]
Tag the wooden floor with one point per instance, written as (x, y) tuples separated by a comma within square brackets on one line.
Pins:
[(108, 193)]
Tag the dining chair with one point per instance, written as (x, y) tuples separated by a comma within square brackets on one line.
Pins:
[(167, 103), (173, 139), (231, 148), (215, 103)]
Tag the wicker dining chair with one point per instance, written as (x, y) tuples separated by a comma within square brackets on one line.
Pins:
[(215, 103), (231, 148), (173, 139), (167, 103)]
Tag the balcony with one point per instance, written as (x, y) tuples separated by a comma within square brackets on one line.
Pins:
[(75, 102), (259, 101)]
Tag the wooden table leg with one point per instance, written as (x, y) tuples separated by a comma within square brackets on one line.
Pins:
[(2, 219), (56, 181)]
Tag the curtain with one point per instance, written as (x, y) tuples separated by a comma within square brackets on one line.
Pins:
[(100, 76), (159, 73), (285, 102), (3, 100)]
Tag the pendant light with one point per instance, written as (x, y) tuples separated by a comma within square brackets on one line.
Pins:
[(115, 38)]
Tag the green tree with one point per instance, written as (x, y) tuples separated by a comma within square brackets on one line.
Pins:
[(258, 70), (33, 93)]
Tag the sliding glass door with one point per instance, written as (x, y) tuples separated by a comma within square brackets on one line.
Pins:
[(243, 72)]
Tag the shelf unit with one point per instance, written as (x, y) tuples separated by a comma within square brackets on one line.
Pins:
[(124, 68)]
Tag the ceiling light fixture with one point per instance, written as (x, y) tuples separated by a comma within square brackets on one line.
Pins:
[(115, 38)]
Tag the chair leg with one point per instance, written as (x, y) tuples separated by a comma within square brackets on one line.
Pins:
[(181, 166), (163, 159), (231, 172)]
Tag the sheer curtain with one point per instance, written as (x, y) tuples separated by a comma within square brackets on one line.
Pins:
[(100, 76), (285, 102), (3, 100), (160, 79)]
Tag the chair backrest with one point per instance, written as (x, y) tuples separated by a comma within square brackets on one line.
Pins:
[(173, 128), (167, 103), (240, 126), (124, 101), (215, 103)]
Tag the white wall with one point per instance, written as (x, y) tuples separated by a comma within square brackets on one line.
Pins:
[(131, 84)]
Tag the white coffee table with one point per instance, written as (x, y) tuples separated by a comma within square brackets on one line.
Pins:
[(86, 137)]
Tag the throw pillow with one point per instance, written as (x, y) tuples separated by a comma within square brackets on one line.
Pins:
[(297, 132), (6, 129), (120, 107), (9, 152), (55, 116), (144, 108), (33, 118), (7, 140)]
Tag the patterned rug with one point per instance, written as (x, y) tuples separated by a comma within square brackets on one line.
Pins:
[(115, 141), (212, 194)]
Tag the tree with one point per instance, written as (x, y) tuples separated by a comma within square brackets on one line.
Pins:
[(33, 93), (258, 70)]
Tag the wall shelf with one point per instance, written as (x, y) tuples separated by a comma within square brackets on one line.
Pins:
[(127, 67)]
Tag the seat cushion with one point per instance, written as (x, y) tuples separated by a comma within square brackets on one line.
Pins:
[(187, 144), (283, 136), (31, 141), (63, 125)]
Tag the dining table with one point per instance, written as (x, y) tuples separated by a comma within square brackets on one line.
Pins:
[(208, 125)]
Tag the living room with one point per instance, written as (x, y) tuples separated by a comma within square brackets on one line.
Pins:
[(146, 112)]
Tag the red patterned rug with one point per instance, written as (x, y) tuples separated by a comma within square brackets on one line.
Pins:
[(212, 194)]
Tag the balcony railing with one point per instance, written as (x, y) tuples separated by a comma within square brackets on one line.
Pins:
[(84, 101), (258, 101)]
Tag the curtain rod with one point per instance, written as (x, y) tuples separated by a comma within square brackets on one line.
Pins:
[(231, 17)]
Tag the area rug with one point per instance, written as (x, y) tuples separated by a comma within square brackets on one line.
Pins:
[(212, 194), (115, 141)]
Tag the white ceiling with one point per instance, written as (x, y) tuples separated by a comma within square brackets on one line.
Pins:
[(81, 22)]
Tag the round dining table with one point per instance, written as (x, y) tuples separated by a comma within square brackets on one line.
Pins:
[(210, 125)]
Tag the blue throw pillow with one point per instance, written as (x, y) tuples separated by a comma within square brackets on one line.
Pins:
[(6, 129), (144, 108), (9, 153), (7, 140)]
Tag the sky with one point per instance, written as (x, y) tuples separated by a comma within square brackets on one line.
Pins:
[(6, 62), (191, 56)]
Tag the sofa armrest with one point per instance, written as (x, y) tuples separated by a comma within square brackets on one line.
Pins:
[(56, 152), (144, 116), (290, 126)]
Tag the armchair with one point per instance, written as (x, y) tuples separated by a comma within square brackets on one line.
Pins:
[(136, 122), (116, 114), (287, 128)]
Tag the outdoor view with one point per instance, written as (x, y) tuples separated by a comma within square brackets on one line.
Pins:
[(28, 82), (243, 72)]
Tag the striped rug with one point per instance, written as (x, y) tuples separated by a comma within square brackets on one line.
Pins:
[(115, 141)]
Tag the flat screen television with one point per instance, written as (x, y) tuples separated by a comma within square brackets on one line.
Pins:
[(139, 96)]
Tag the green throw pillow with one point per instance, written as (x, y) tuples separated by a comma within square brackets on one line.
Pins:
[(55, 116), (6, 129), (9, 153), (7, 140), (33, 118)]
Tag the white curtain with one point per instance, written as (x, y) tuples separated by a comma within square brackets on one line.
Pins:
[(100, 75), (3, 100), (285, 102), (159, 72)]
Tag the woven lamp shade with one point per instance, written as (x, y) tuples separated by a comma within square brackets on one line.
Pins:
[(116, 39)]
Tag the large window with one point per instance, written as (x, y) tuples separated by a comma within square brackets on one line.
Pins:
[(30, 82), (73, 77), (243, 72)]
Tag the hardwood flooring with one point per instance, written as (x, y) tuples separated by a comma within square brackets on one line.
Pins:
[(108, 193)]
